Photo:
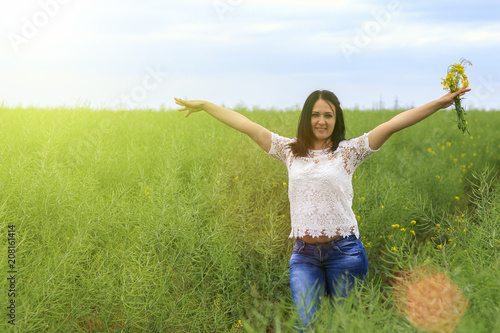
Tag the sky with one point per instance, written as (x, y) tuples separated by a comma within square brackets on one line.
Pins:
[(123, 54)]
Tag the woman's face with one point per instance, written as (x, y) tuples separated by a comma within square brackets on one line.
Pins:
[(322, 120)]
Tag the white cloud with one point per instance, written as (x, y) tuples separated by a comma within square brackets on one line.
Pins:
[(96, 49)]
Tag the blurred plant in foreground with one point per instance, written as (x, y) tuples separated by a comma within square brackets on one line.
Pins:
[(430, 300)]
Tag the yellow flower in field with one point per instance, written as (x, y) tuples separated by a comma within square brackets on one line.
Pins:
[(395, 225), (238, 324), (394, 249), (413, 222), (439, 246), (403, 229), (236, 178), (382, 206), (284, 184), (413, 232), (448, 144), (457, 198)]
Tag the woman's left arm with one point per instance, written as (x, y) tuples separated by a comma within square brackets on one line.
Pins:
[(381, 133)]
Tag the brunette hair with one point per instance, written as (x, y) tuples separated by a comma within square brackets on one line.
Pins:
[(305, 133)]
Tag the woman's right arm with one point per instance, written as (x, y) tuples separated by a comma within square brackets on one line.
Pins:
[(239, 122)]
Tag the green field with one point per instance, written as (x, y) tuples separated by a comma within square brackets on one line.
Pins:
[(150, 222)]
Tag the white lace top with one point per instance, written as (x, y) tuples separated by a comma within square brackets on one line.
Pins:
[(320, 186)]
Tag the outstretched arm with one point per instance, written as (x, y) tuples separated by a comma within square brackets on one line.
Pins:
[(381, 133), (239, 122)]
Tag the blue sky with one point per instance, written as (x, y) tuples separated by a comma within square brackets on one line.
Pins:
[(262, 53)]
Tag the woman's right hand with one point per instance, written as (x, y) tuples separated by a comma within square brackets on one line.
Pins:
[(189, 106)]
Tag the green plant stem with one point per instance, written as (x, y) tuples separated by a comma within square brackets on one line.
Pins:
[(462, 123)]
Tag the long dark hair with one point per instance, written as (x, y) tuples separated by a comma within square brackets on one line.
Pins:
[(305, 134)]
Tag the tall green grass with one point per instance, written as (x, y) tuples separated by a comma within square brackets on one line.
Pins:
[(149, 222)]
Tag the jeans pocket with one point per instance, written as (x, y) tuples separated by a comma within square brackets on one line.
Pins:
[(352, 248)]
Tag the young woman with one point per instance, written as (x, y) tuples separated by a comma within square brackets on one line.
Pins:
[(328, 255)]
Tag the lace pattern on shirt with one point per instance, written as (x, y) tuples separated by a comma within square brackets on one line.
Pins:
[(320, 186)]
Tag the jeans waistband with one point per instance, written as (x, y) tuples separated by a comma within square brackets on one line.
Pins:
[(332, 243)]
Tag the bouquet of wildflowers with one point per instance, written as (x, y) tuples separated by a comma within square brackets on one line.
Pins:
[(455, 80)]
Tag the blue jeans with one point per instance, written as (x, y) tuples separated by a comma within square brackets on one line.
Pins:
[(319, 270)]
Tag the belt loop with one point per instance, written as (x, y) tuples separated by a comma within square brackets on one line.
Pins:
[(301, 244)]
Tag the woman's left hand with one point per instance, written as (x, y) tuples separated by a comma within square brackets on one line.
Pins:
[(447, 99)]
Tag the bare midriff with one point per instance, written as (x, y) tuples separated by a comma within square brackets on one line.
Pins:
[(315, 240)]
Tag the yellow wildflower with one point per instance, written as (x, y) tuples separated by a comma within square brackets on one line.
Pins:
[(456, 80)]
